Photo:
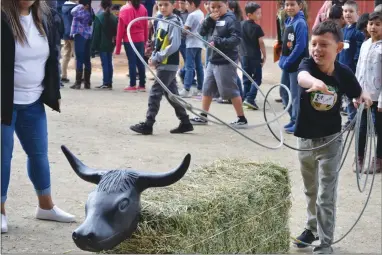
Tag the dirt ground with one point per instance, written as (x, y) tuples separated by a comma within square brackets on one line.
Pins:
[(95, 126)]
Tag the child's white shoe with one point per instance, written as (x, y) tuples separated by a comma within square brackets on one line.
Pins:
[(4, 224), (54, 214), (185, 94)]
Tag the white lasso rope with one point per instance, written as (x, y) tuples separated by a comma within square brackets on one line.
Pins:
[(357, 121)]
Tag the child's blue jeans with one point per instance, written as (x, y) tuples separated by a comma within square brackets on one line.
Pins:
[(82, 50), (254, 69), (135, 63), (182, 71), (30, 124), (290, 80), (107, 67), (194, 63)]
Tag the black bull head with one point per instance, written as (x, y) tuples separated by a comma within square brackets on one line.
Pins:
[(113, 208)]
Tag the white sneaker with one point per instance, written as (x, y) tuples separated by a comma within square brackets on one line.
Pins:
[(196, 92), (54, 214), (4, 224), (184, 93)]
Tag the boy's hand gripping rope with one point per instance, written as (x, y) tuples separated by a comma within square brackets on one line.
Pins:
[(356, 121)]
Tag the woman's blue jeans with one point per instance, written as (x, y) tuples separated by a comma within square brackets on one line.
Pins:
[(30, 124), (82, 50)]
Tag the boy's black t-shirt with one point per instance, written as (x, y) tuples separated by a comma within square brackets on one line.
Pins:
[(249, 46), (319, 114)]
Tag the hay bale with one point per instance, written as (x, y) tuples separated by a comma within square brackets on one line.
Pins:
[(226, 207)]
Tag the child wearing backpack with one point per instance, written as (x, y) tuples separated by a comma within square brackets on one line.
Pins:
[(165, 58)]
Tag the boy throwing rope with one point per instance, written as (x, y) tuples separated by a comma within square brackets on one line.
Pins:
[(324, 81), (165, 58)]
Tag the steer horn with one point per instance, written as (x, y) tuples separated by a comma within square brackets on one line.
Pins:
[(151, 180), (84, 172)]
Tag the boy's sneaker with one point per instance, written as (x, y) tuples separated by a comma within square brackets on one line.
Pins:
[(182, 128), (65, 80), (105, 86), (130, 89), (141, 89), (290, 130), (184, 93), (197, 92), (142, 128), (323, 250), (306, 237), (290, 124), (240, 122), (198, 121), (252, 106), (4, 224)]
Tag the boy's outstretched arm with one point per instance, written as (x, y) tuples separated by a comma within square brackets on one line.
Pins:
[(307, 81), (233, 40)]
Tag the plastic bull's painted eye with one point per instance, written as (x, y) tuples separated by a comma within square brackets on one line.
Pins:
[(123, 204)]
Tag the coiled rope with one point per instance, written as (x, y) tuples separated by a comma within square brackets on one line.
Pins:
[(356, 121)]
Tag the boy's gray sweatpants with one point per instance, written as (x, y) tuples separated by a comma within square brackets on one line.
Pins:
[(319, 169), (156, 93)]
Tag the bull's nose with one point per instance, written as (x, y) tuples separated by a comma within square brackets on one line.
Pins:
[(74, 236), (88, 237)]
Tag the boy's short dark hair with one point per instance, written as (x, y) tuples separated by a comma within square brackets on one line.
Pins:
[(196, 2), (336, 12), (352, 3), (329, 26), (375, 16), (251, 7), (362, 21)]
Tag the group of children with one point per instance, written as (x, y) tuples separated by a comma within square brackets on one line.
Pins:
[(225, 32), (87, 33)]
